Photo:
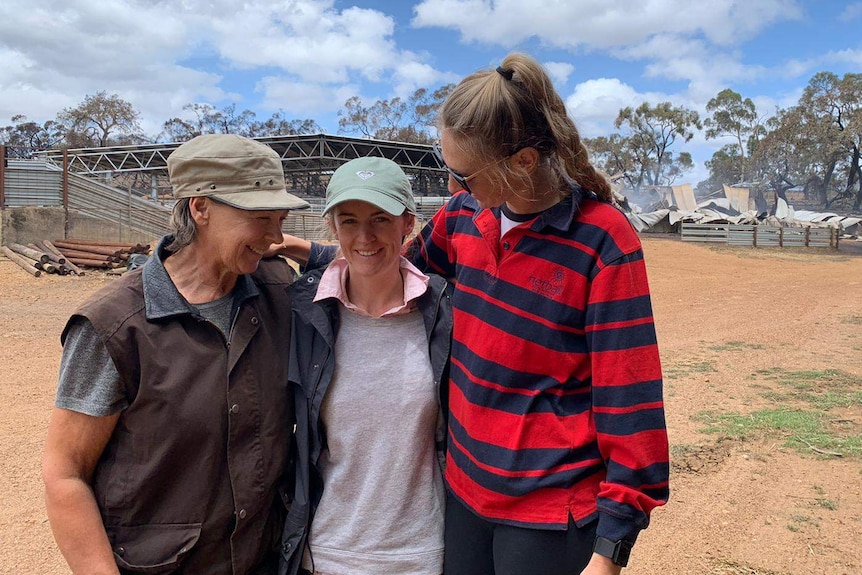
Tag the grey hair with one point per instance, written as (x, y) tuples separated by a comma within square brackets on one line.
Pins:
[(183, 226)]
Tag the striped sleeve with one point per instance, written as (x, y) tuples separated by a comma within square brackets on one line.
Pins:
[(432, 250), (627, 397)]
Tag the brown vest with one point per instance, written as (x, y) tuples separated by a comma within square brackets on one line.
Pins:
[(189, 481)]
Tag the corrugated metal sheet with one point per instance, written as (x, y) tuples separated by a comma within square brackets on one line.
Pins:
[(40, 183), (101, 201), (32, 183)]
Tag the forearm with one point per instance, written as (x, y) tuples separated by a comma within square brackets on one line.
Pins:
[(292, 247), (78, 528)]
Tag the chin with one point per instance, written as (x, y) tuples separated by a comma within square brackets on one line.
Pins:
[(486, 203)]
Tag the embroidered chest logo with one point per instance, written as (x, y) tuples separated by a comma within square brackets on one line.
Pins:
[(549, 287)]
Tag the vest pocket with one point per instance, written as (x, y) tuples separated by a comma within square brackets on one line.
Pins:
[(152, 548)]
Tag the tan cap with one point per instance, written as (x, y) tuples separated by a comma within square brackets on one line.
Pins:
[(237, 171)]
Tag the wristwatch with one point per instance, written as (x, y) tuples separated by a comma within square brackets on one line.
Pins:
[(616, 551)]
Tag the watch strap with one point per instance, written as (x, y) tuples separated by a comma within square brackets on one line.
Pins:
[(616, 551)]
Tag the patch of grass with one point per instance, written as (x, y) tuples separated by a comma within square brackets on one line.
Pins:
[(804, 430), (827, 504), (853, 319), (735, 346), (684, 368), (822, 389)]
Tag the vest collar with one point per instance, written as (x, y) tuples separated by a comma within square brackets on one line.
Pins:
[(161, 297)]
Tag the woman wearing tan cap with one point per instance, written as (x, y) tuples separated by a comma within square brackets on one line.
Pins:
[(171, 430), (371, 338)]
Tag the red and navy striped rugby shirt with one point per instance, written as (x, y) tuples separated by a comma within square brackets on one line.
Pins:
[(556, 387)]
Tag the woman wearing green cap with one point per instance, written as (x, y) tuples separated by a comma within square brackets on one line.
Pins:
[(371, 337)]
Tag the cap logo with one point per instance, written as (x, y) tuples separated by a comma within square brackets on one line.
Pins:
[(364, 174)]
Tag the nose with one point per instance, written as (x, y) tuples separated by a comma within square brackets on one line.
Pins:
[(273, 230), (453, 186), (366, 232)]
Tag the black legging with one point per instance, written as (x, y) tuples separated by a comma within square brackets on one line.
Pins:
[(475, 546)]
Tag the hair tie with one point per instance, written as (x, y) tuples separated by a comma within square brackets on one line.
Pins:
[(507, 74)]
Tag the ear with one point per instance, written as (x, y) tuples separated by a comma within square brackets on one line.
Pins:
[(408, 220), (330, 221), (199, 207), (526, 159)]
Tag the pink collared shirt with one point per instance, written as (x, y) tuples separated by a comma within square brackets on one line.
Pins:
[(333, 283)]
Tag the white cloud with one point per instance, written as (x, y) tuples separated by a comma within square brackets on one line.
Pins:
[(559, 71), (595, 104), (162, 54), (304, 100), (851, 12), (602, 24)]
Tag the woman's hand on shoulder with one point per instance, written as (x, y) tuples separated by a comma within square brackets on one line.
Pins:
[(292, 247)]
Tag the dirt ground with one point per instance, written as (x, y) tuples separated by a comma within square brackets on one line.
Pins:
[(735, 325)]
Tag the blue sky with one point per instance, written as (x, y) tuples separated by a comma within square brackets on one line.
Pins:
[(307, 57)]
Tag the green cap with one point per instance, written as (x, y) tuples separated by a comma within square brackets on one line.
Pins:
[(378, 181)]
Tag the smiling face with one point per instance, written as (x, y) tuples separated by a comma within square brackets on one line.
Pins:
[(370, 238), (235, 239)]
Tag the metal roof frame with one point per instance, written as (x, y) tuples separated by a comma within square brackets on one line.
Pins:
[(304, 157)]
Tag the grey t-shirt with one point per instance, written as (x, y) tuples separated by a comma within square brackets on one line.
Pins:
[(89, 382), (383, 498)]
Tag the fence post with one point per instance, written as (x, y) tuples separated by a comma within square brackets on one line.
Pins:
[(3, 152), (754, 236), (65, 193), (808, 235), (780, 236)]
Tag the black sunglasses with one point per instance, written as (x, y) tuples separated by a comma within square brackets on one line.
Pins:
[(460, 179)]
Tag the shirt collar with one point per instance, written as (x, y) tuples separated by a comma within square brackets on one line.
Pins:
[(161, 297), (333, 284), (559, 216)]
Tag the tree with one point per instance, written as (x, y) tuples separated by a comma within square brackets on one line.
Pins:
[(735, 118), (395, 119), (209, 120), (797, 151), (724, 167), (839, 103), (279, 125), (615, 156), (101, 120), (25, 138), (653, 131)]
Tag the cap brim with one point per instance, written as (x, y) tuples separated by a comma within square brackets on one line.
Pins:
[(263, 200), (384, 202)]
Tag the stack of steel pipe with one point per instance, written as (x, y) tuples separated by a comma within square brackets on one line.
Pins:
[(98, 254), (38, 257)]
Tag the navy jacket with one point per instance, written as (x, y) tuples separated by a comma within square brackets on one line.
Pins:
[(312, 362)]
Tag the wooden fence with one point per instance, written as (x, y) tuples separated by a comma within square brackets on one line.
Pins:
[(761, 236)]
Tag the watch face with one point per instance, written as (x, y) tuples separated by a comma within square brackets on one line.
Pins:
[(616, 551)]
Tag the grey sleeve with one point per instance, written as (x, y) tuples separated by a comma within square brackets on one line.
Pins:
[(89, 382)]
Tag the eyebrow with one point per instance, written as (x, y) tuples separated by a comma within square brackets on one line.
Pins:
[(377, 213)]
